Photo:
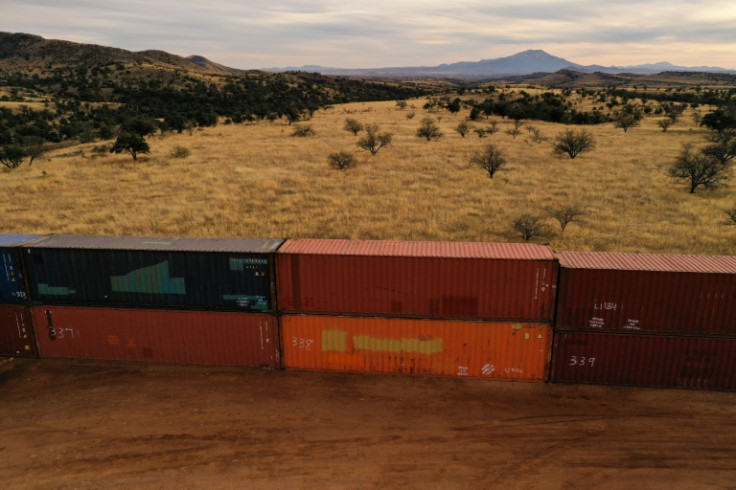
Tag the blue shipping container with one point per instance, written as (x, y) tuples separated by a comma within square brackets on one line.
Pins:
[(232, 274), (12, 285)]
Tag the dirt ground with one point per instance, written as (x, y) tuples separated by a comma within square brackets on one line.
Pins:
[(82, 424)]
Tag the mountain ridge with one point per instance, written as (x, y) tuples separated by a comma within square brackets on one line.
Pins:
[(523, 63)]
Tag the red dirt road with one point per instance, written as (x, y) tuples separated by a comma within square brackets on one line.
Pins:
[(79, 424)]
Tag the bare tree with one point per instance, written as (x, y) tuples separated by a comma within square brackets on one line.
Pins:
[(353, 125), (12, 155), (723, 149), (429, 129), (665, 124), (373, 141), (303, 130), (463, 128), (573, 143), (698, 169), (529, 226), (626, 120), (490, 129), (566, 215), (491, 159), (516, 130), (341, 160)]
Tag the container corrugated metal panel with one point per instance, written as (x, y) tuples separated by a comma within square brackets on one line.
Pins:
[(389, 248), (150, 278), (648, 262), (185, 337), (417, 347), (644, 360), (631, 293), (173, 244), (460, 286), (12, 284), (16, 332)]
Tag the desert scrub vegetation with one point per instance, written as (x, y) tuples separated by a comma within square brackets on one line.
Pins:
[(252, 180)]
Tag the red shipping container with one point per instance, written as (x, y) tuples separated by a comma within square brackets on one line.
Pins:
[(489, 281), (420, 347), (644, 360), (16, 332), (614, 292), (185, 337)]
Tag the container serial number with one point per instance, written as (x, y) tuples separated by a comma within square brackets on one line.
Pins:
[(581, 361)]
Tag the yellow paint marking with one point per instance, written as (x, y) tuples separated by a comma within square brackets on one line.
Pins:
[(366, 342), (334, 340)]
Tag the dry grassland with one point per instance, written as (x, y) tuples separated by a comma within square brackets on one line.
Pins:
[(259, 181)]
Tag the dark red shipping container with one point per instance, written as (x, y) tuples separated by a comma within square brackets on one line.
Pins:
[(644, 360), (490, 281), (615, 292), (16, 332), (185, 337)]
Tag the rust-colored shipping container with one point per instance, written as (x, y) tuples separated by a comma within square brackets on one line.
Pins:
[(511, 351), (490, 281), (16, 332), (185, 337), (644, 360), (640, 293)]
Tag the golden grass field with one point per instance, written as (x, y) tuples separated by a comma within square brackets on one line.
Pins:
[(258, 181)]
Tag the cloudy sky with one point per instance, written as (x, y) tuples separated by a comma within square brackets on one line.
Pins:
[(381, 33)]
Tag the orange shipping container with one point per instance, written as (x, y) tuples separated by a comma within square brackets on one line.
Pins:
[(512, 351)]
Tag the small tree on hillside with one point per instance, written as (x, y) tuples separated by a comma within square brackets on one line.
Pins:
[(628, 117), (491, 159), (566, 215), (454, 106), (698, 169), (130, 143), (353, 125), (529, 226), (373, 141), (12, 155), (573, 143), (341, 160), (303, 130), (463, 128), (429, 129), (515, 130), (665, 124), (723, 149)]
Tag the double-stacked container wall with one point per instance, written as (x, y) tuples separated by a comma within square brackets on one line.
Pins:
[(184, 300), (432, 308), (649, 320), (16, 331)]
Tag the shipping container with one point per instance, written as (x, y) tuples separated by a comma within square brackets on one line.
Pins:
[(644, 360), (491, 281), (639, 293), (211, 273), (12, 283), (173, 336), (510, 351), (16, 332)]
